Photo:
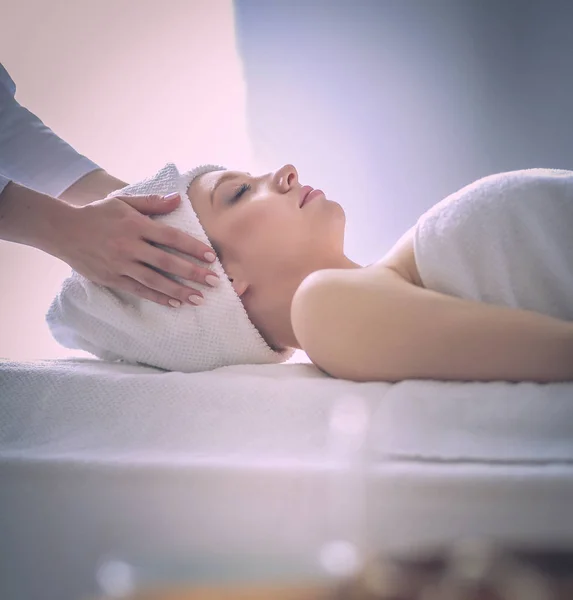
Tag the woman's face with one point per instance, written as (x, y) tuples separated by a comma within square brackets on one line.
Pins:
[(267, 242)]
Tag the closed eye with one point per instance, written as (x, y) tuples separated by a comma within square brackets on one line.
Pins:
[(244, 188)]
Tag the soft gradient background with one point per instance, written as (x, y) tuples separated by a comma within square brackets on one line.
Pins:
[(387, 105)]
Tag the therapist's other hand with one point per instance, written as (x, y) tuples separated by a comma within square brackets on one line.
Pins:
[(108, 242)]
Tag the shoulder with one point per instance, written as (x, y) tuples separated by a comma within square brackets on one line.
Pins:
[(317, 303), (337, 315)]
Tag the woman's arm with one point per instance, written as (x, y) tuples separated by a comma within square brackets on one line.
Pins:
[(364, 328), (36, 219), (32, 218), (31, 154), (91, 187)]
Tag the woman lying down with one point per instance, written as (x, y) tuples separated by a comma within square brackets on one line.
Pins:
[(481, 288)]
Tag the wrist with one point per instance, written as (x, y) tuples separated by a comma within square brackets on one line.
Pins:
[(57, 225), (31, 218), (93, 186)]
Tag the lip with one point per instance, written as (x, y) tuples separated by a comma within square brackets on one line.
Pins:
[(304, 192), (312, 195)]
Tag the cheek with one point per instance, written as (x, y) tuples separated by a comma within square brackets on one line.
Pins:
[(267, 237), (262, 228)]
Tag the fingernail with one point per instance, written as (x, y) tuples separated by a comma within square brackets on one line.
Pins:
[(209, 256), (175, 303), (196, 299), (170, 197), (212, 280)]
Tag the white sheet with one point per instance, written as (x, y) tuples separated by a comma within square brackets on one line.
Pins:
[(100, 459), (84, 409), (495, 422)]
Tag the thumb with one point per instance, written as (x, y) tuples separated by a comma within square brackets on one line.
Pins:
[(152, 203)]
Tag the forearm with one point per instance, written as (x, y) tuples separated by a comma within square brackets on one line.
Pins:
[(486, 343), (93, 186), (443, 337), (32, 218)]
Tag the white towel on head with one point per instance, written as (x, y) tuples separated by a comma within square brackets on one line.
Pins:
[(116, 325)]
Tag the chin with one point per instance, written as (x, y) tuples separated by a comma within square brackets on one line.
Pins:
[(339, 226), (338, 211)]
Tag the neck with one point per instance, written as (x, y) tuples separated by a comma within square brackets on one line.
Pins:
[(344, 263), (340, 261)]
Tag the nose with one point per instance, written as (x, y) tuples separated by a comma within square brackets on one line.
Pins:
[(286, 177)]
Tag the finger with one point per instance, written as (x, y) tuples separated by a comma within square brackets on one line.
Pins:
[(175, 265), (127, 284), (148, 282), (172, 237), (152, 203)]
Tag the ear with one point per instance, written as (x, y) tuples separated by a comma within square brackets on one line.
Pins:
[(240, 286), (236, 276)]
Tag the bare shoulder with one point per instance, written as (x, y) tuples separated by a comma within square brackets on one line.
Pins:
[(337, 314)]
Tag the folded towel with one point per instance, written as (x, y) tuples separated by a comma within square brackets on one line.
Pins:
[(506, 239), (116, 325)]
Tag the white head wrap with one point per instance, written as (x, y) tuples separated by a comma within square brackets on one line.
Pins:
[(116, 325)]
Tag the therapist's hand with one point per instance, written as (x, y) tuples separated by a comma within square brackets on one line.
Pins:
[(108, 242)]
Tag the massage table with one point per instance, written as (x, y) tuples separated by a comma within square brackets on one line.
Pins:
[(250, 466)]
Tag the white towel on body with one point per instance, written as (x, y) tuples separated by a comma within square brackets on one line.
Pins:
[(506, 239), (115, 325)]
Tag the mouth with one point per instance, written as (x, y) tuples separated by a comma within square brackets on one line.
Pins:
[(306, 194)]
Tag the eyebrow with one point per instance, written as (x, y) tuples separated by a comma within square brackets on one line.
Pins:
[(222, 179)]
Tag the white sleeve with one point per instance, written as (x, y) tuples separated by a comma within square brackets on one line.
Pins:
[(31, 154)]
